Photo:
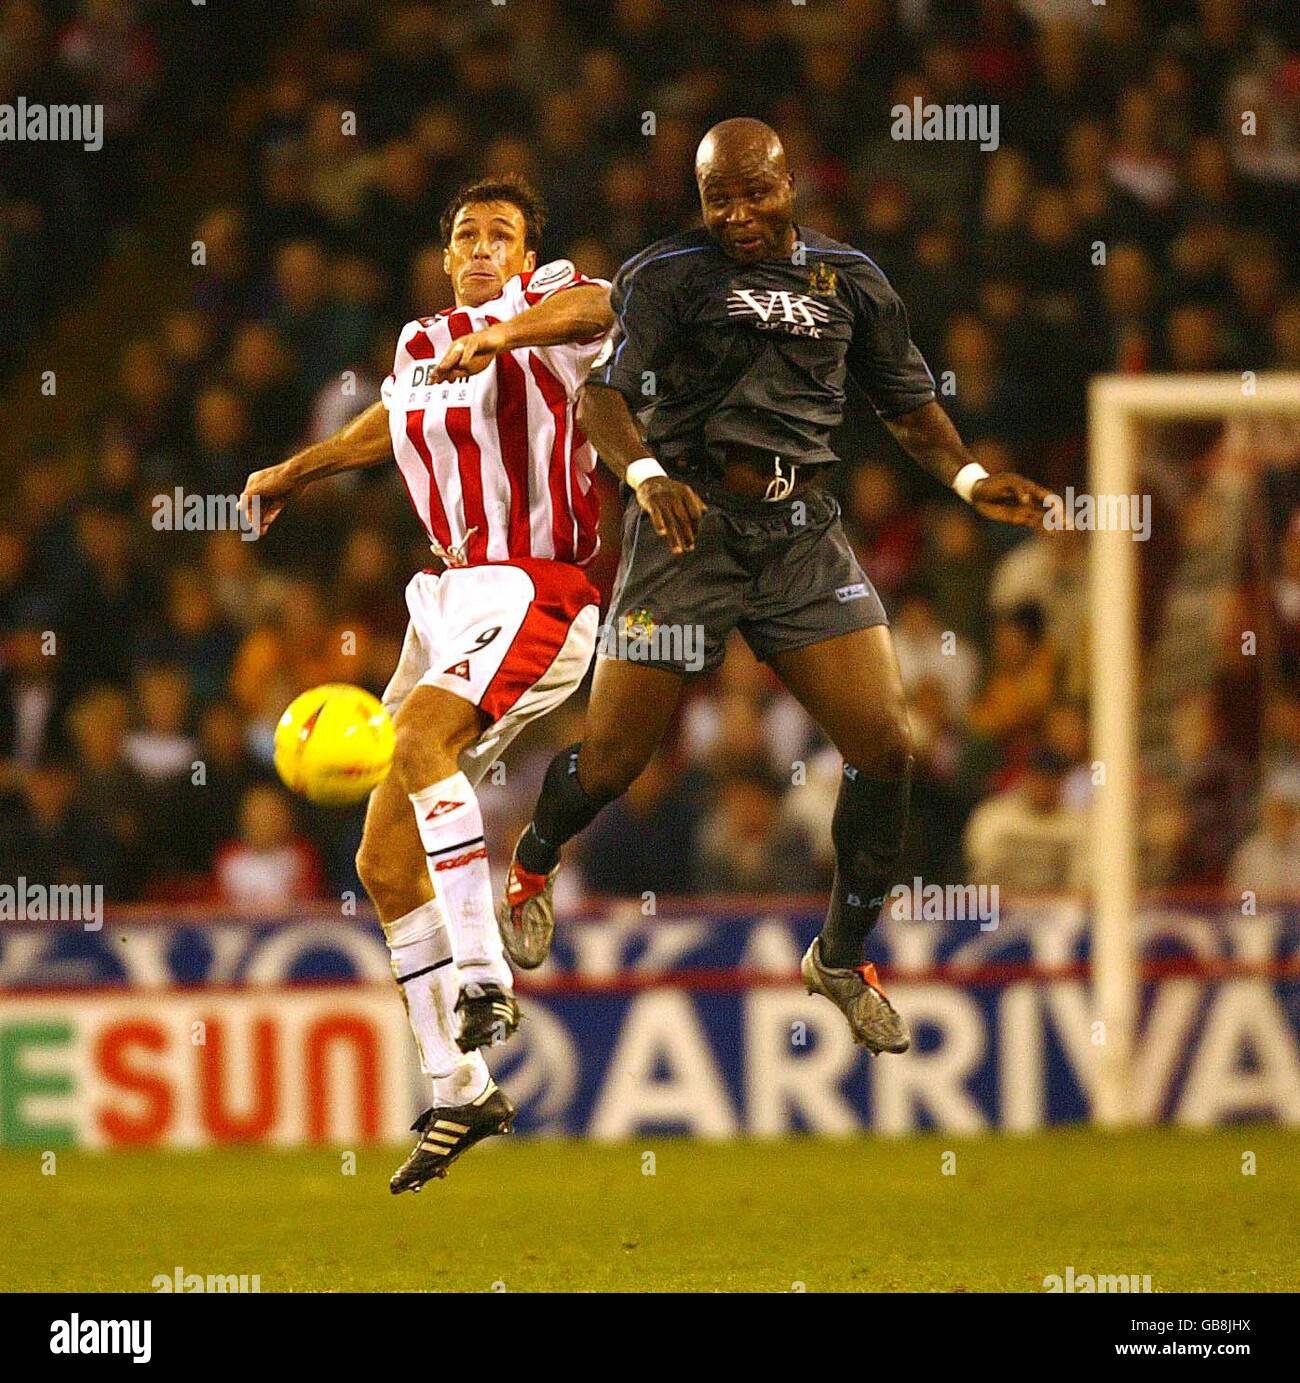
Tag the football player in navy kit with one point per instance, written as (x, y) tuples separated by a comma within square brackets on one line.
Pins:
[(713, 401)]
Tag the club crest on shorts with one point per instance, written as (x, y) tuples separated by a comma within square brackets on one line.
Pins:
[(638, 624), (460, 669)]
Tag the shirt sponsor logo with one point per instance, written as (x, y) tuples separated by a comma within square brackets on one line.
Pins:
[(857, 591), (779, 310), (455, 392)]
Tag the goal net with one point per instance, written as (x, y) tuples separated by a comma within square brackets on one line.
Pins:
[(1194, 612)]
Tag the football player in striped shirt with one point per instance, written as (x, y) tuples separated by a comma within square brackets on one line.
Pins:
[(479, 413)]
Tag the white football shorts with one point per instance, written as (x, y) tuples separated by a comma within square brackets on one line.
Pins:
[(513, 638)]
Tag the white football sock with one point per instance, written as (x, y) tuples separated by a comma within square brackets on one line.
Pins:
[(430, 983), (451, 830)]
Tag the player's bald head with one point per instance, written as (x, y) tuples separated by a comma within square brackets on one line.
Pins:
[(739, 146), (746, 196)]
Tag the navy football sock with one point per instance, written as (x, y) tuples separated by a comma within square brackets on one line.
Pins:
[(867, 829), (564, 808)]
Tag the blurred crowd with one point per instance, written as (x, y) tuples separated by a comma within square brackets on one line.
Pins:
[(156, 89), (58, 204), (1132, 219)]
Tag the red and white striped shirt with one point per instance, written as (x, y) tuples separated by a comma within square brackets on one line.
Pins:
[(495, 464)]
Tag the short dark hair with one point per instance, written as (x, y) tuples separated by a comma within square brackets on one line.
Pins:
[(500, 187)]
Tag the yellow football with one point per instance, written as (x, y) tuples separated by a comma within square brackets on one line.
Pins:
[(334, 744)]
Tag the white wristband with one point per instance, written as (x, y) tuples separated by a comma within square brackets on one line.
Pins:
[(642, 470), (967, 478)]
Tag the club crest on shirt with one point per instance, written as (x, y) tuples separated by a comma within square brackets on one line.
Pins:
[(823, 280)]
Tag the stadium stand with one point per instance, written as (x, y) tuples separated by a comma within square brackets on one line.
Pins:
[(320, 238)]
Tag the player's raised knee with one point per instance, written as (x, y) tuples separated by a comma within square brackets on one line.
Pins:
[(885, 751), (609, 764), (414, 756), (895, 745), (432, 729)]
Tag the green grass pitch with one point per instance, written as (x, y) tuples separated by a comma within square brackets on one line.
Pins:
[(767, 1216)]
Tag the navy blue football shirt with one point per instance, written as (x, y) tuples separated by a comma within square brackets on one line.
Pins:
[(707, 351)]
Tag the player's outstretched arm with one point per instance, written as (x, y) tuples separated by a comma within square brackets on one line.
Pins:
[(674, 508), (928, 436), (362, 442), (575, 314)]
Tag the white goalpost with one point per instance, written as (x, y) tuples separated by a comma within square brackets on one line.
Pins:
[(1117, 405)]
